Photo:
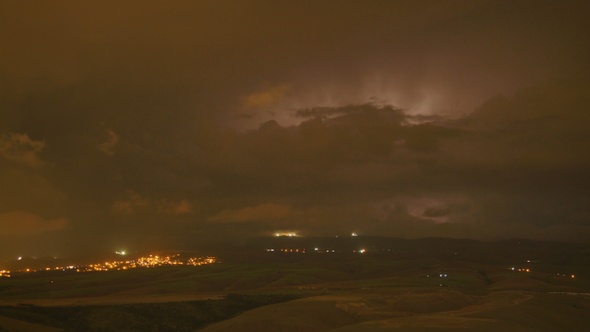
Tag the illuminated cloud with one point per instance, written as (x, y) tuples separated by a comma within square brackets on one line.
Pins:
[(266, 98), (262, 212), (182, 206), (134, 203), (108, 146), (23, 223), (439, 208), (21, 149), (130, 204)]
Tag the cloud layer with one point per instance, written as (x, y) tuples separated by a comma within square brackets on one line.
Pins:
[(202, 123)]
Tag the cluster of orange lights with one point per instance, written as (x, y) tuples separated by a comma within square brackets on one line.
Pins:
[(557, 275), (198, 261), (142, 262)]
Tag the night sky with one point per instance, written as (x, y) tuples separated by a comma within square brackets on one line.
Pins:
[(139, 125)]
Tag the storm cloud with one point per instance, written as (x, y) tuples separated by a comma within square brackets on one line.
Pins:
[(146, 126)]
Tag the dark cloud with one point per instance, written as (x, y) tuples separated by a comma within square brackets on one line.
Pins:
[(143, 125)]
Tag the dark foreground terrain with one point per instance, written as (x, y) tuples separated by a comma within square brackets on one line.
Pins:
[(431, 284)]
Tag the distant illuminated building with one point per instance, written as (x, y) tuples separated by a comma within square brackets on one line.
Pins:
[(285, 234)]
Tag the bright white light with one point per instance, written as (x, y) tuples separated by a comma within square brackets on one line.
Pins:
[(19, 258), (122, 252), (354, 234), (287, 234)]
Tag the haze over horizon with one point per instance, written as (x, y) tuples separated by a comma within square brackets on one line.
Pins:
[(139, 125)]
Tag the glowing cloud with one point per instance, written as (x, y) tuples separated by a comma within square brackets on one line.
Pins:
[(177, 207), (108, 146), (21, 149), (262, 212), (21, 222), (266, 98), (136, 203)]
